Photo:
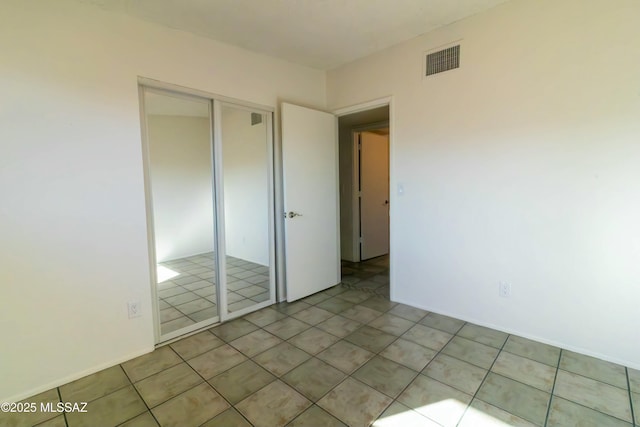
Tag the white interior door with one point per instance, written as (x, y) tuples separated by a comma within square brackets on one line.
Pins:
[(310, 180), (374, 195)]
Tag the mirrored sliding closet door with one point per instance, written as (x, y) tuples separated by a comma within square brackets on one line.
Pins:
[(247, 189), (210, 209)]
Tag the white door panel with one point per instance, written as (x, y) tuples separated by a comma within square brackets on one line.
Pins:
[(374, 190), (310, 180)]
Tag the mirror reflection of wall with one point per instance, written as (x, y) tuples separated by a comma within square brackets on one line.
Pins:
[(246, 206), (180, 168)]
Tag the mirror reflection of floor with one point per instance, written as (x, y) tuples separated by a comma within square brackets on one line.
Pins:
[(370, 276), (187, 289)]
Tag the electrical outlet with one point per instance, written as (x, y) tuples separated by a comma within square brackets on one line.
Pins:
[(134, 309), (504, 290)]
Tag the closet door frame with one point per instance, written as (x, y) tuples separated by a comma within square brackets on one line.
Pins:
[(216, 102)]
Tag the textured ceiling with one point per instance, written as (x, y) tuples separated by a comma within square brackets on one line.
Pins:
[(321, 34)]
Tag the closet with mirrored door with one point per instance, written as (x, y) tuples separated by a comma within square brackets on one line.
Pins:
[(209, 188)]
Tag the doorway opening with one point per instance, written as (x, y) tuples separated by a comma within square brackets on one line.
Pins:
[(363, 141)]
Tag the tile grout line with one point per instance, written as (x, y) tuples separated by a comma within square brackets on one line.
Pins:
[(485, 376), (347, 375), (633, 416), (553, 389), (425, 367), (350, 375), (312, 405), (64, 414), (438, 352), (275, 376), (312, 356), (140, 396), (205, 381), (529, 358), (581, 375), (558, 369), (395, 399), (104, 395)]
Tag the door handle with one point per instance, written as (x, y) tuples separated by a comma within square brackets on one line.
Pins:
[(386, 202), (292, 214)]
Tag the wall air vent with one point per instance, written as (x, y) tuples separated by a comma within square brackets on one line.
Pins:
[(256, 119), (443, 60)]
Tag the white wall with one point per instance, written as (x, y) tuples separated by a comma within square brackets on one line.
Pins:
[(246, 186), (181, 185), (72, 215), (522, 166)]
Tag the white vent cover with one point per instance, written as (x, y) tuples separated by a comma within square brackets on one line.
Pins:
[(443, 60)]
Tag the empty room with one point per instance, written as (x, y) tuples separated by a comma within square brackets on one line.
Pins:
[(193, 233)]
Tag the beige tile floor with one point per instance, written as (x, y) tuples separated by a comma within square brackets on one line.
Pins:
[(190, 296), (347, 356)]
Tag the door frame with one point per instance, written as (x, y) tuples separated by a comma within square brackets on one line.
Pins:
[(364, 106), (279, 184)]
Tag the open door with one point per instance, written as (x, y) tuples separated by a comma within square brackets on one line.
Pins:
[(374, 195), (310, 180)]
